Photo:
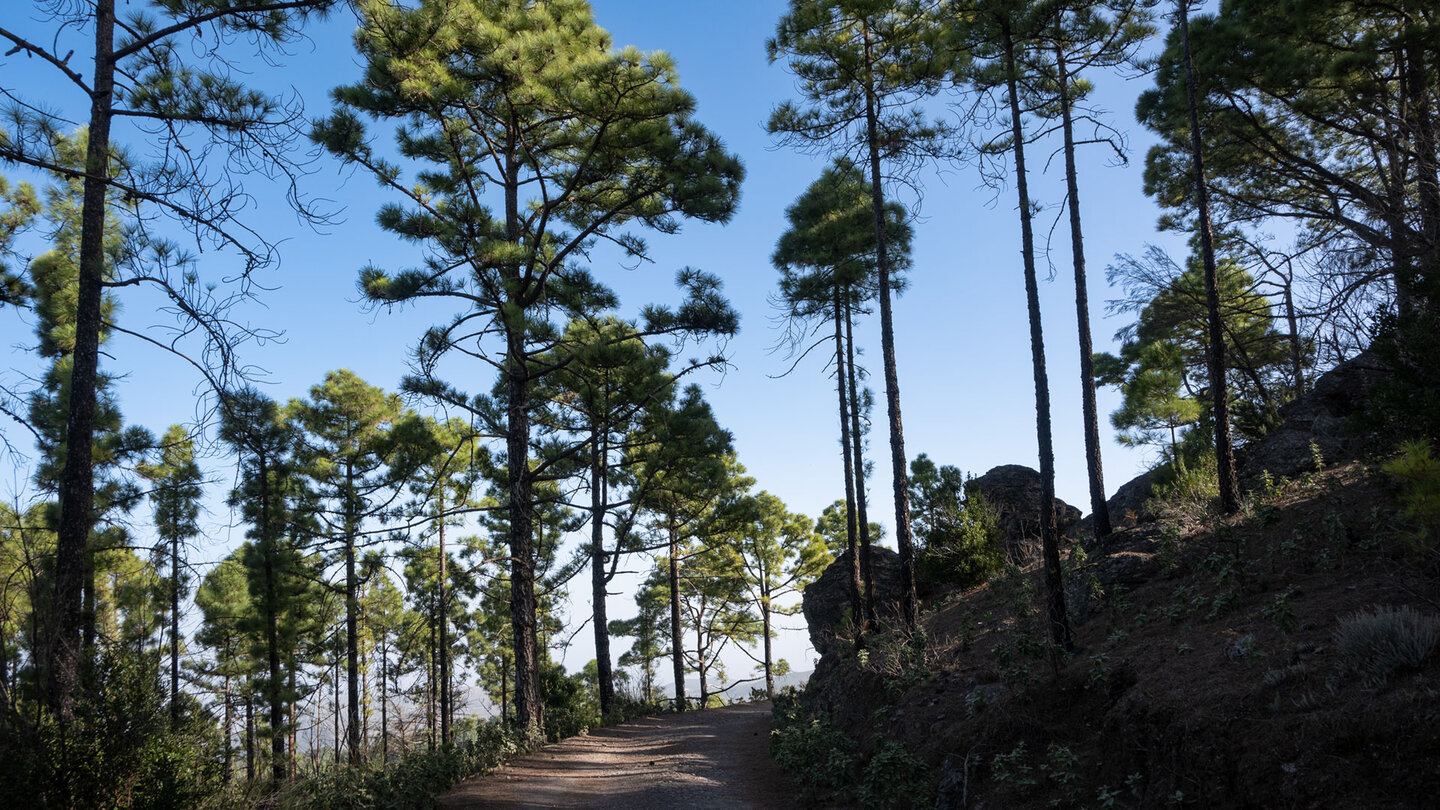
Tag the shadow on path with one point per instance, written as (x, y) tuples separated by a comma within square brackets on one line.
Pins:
[(717, 758)]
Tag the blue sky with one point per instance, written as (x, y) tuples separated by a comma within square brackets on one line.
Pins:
[(961, 331)]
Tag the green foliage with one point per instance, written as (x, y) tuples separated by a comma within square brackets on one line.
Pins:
[(570, 705), (893, 779), (959, 534), (412, 783), (1418, 472), (806, 745), (1375, 644), (1188, 490), (1013, 768), (1162, 370), (119, 749), (1281, 611)]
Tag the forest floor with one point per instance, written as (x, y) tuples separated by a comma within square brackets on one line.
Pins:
[(718, 758), (1212, 667)]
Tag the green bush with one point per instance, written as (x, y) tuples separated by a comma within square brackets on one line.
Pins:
[(1418, 472), (1377, 643), (570, 706), (966, 551), (1186, 489), (118, 750), (895, 780), (412, 783), (809, 747)]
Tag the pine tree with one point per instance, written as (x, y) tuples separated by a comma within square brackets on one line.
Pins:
[(176, 479), (827, 260), (348, 450), (600, 138), (864, 66), (141, 73)]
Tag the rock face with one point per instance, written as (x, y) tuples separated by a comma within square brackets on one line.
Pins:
[(1013, 490), (826, 601), (1127, 505), (1323, 415)]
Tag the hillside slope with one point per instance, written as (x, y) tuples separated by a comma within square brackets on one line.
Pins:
[(1219, 663)]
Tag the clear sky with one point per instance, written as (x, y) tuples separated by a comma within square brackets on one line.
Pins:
[(961, 331)]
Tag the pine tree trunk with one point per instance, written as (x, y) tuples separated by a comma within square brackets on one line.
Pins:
[(851, 539), (1420, 103), (523, 607), (1099, 510), (250, 733), (384, 706), (1219, 389), (290, 727), (700, 666), (77, 478), (598, 496), (335, 715), (769, 659), (1049, 531), (229, 732), (909, 607), (272, 631), (444, 636), (857, 438), (175, 634), (352, 631), (1297, 353), (676, 639)]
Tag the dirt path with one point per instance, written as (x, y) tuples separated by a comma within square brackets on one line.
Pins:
[(717, 759)]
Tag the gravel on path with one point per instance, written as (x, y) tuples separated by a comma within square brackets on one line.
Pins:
[(717, 759)]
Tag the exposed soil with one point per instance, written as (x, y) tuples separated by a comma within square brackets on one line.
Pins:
[(1206, 672), (718, 758)]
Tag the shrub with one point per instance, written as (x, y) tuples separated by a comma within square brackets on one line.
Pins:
[(966, 550), (570, 707), (1375, 644), (118, 750), (1418, 472), (895, 779), (411, 783), (806, 745), (1187, 490)]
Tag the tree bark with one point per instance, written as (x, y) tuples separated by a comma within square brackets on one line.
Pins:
[(1049, 530), (1099, 510), (443, 643), (384, 706), (352, 625), (250, 733), (175, 640), (857, 438), (528, 708), (851, 539), (769, 665), (1219, 390), (910, 609), (677, 654), (77, 478), (598, 496)]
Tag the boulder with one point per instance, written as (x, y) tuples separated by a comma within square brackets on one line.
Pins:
[(1013, 491), (1325, 415), (826, 601), (1127, 505)]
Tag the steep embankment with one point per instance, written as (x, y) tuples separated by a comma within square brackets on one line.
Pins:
[(1273, 659)]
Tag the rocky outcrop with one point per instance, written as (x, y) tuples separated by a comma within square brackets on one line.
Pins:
[(826, 601), (1013, 491), (1325, 415)]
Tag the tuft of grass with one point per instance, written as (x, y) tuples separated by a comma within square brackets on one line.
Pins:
[(1375, 644)]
